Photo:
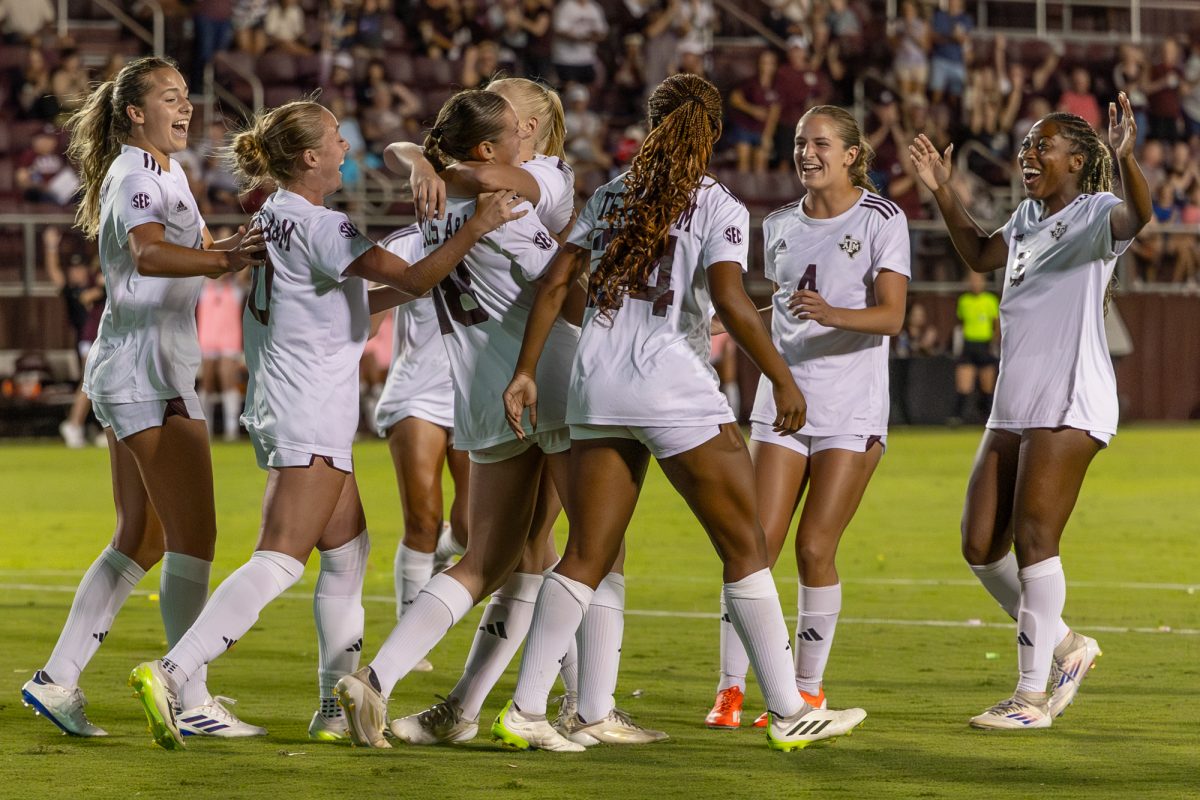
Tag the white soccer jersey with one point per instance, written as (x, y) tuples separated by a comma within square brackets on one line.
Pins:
[(418, 382), (1054, 364), (146, 348), (649, 366), (843, 374), (556, 180), (482, 307), (307, 325)]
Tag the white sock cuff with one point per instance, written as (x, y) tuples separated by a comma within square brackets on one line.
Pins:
[(448, 544), (231, 395), (756, 586), (580, 591), (190, 568), (347, 557), (415, 557), (822, 599), (450, 593), (1041, 569), (995, 566), (283, 568), (123, 564), (611, 592), (521, 586)]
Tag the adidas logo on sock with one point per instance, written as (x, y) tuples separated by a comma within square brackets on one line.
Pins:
[(228, 642), (100, 637), (495, 629), (169, 665), (725, 618), (356, 647), (811, 635), (1024, 640)]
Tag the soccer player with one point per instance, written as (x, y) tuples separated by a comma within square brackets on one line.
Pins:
[(839, 259), (481, 309), (978, 314), (665, 244), (310, 299), (141, 377), (1056, 397)]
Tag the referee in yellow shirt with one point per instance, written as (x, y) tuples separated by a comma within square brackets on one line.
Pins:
[(979, 319)]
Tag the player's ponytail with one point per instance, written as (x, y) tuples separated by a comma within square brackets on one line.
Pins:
[(685, 122), (466, 120), (532, 99), (852, 136), (99, 128), (272, 148)]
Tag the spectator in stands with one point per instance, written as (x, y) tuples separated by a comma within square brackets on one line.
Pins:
[(754, 114), (388, 110), (82, 290), (663, 27), (697, 20), (341, 81), (369, 29), (991, 105), (800, 84), (536, 20), (919, 337), (358, 156), (1182, 174), (1130, 75), (441, 28), (787, 18), (689, 59), (1079, 99), (1153, 160), (112, 66), (480, 65), (69, 82), (579, 26), (910, 41), (1164, 94), (1191, 95), (222, 186), (1187, 265), (213, 22), (43, 174), (284, 26), (247, 23), (891, 170), (841, 26), (31, 86), (628, 83), (979, 327), (948, 65), (584, 142), (24, 20)]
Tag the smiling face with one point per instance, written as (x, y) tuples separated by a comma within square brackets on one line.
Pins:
[(1048, 167), (822, 158), (162, 121), (326, 160)]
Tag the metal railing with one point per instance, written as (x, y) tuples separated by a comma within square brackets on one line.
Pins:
[(154, 37)]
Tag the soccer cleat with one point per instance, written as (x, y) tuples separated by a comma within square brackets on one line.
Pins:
[(616, 728), (72, 434), (215, 719), (812, 726), (815, 700), (519, 731), (441, 723), (365, 708), (1067, 671), (726, 713), (328, 729), (61, 706), (568, 703), (1022, 710), (423, 665), (151, 687)]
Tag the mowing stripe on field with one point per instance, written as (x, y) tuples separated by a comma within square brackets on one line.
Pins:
[(704, 615)]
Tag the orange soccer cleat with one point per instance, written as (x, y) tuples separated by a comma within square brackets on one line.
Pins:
[(726, 712)]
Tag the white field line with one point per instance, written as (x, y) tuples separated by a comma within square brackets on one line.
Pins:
[(699, 615)]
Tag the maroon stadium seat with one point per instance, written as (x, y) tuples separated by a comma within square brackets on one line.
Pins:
[(276, 67)]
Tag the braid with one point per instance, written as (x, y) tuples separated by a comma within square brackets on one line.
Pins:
[(685, 118)]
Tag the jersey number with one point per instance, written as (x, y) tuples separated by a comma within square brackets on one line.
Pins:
[(809, 280), (455, 301), (661, 295), (258, 300)]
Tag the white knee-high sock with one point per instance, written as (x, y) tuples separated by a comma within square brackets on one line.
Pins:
[(503, 627), (560, 608), (447, 546), (104, 588), (734, 661), (413, 569), (183, 590), (600, 638), (338, 611), (568, 668), (438, 608), (231, 409), (753, 605), (231, 611), (816, 621), (1001, 581), (1043, 595)]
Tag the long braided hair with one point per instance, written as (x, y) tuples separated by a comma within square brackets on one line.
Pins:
[(1097, 172), (685, 122)]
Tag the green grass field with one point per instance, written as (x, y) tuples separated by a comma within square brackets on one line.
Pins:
[(920, 646)]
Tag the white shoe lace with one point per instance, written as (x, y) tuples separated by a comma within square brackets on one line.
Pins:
[(440, 716), (219, 710)]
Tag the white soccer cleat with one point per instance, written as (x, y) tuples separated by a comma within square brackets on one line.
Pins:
[(153, 689), (616, 728), (424, 665), (1022, 710), (442, 723), (530, 732), (447, 551), (1067, 671), (73, 435), (63, 707), (329, 729), (812, 726), (365, 708), (215, 719)]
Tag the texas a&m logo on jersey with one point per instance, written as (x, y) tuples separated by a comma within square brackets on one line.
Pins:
[(733, 234), (140, 200), (543, 241), (1059, 230), (347, 230), (850, 246)]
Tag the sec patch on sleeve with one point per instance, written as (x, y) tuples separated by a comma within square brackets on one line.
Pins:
[(543, 241), (733, 234), (347, 230), (140, 201)]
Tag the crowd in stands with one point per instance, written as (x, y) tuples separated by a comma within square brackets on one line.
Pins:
[(384, 66)]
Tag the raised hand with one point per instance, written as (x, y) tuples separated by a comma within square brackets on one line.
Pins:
[(495, 209), (429, 191), (1122, 135), (932, 168), (520, 395)]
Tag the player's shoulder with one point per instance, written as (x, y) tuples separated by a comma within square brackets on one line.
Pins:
[(781, 214), (712, 192), (401, 234), (545, 165), (877, 206)]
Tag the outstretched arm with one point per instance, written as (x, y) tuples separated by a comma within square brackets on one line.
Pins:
[(154, 256), (1128, 218)]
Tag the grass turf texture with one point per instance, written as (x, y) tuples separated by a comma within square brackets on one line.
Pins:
[(1131, 733)]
